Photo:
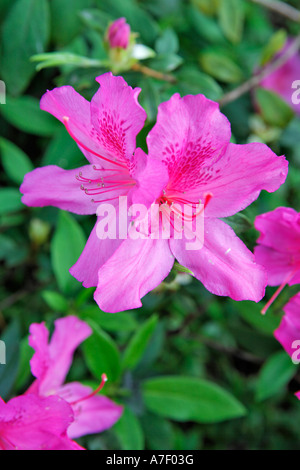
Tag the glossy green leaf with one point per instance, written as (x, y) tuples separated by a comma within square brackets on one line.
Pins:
[(129, 431), (15, 162), (138, 343)]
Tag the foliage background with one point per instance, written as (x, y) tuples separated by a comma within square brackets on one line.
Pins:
[(210, 47)]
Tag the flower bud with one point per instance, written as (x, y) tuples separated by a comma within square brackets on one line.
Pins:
[(118, 34)]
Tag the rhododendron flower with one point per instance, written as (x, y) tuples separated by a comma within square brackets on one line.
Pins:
[(278, 247), (285, 80), (288, 332), (30, 422), (118, 34), (50, 365), (191, 138), (105, 131)]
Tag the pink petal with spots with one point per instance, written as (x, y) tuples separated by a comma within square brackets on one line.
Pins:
[(224, 265)]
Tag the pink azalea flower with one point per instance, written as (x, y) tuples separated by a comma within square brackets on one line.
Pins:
[(30, 422), (282, 79), (191, 138), (118, 34), (278, 247), (105, 131), (289, 329), (50, 365)]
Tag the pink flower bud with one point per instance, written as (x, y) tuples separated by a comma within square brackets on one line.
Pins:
[(118, 34)]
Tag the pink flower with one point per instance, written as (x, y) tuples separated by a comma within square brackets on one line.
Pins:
[(30, 422), (278, 247), (105, 131), (50, 365), (282, 79), (191, 138), (289, 329), (118, 34)]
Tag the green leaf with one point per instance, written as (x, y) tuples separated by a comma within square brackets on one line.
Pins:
[(205, 26), (168, 42), (25, 32), (63, 151), (55, 300), (274, 110), (275, 44), (10, 200), (275, 375), (129, 431), (231, 18), (25, 114), (138, 343), (8, 372), (114, 322), (192, 81), (190, 399), (66, 22), (101, 355), (166, 62), (24, 371), (221, 66), (66, 247), (15, 162)]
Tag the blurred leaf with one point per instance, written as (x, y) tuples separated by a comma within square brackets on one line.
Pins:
[(205, 26), (25, 32), (25, 114), (129, 431), (24, 371), (10, 200), (138, 343), (66, 23), (190, 399), (231, 18), (275, 44), (273, 109), (9, 371), (192, 81), (66, 247), (220, 66), (15, 162), (55, 300), (114, 322), (158, 432), (101, 355), (274, 375), (63, 151), (167, 43), (166, 62)]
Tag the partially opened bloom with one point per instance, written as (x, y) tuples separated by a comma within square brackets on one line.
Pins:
[(105, 130), (278, 248), (191, 138), (285, 80), (30, 422), (118, 34), (288, 332), (50, 365)]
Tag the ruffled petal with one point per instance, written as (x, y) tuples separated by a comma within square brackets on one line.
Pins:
[(190, 134), (289, 328), (279, 265), (238, 177), (51, 367), (94, 415), (136, 268), (224, 264), (53, 186)]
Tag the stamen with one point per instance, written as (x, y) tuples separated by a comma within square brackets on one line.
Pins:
[(277, 292), (66, 123), (103, 381)]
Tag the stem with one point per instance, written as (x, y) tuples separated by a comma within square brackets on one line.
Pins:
[(282, 8), (256, 79), (153, 73)]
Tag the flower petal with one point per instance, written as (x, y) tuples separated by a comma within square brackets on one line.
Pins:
[(278, 265), (117, 117), (136, 268), (289, 328), (94, 415), (224, 264), (190, 134), (53, 186), (30, 422), (236, 180), (51, 363)]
